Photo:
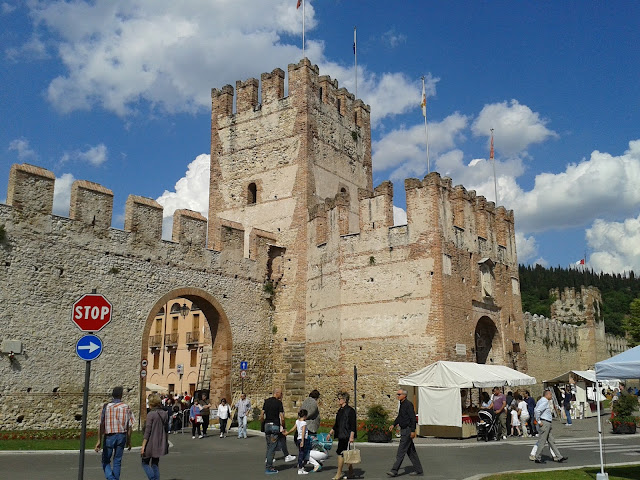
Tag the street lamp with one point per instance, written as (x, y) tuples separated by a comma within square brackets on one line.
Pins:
[(184, 310)]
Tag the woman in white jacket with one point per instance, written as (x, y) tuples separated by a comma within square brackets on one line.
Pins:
[(224, 412)]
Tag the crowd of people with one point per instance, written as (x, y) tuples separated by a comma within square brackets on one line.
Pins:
[(117, 420)]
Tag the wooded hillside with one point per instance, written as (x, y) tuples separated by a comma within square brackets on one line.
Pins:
[(618, 291)]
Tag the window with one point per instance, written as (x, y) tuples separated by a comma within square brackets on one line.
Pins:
[(156, 359), (159, 326), (320, 93), (175, 308), (172, 388), (446, 264), (486, 277), (174, 325), (515, 286), (172, 359), (196, 323), (194, 357), (252, 194)]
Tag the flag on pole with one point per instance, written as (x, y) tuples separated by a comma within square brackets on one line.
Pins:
[(354, 40), (580, 262), (424, 102), (491, 150), (299, 3)]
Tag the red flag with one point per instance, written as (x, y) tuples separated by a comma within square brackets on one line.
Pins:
[(580, 262), (299, 3)]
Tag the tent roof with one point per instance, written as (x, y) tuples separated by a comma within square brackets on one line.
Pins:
[(623, 365), (155, 388), (466, 375)]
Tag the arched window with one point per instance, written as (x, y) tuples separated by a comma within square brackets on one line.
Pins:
[(175, 308), (252, 194), (343, 190), (485, 337)]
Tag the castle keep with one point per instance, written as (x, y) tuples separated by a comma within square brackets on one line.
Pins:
[(299, 269)]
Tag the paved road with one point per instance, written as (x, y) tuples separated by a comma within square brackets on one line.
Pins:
[(230, 458)]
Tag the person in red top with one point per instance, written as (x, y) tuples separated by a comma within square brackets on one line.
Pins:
[(116, 425)]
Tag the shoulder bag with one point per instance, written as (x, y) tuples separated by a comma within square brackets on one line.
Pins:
[(351, 455)]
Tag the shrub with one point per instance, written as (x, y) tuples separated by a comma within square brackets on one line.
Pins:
[(623, 409), (377, 420)]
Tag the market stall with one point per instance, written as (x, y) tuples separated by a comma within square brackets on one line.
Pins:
[(437, 391), (583, 387)]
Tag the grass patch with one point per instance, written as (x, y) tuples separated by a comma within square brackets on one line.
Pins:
[(325, 427), (615, 473), (53, 439)]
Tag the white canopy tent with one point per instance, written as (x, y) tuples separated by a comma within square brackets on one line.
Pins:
[(439, 387), (624, 365), (152, 387), (585, 391)]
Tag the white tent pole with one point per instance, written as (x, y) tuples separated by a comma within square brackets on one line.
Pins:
[(601, 475)]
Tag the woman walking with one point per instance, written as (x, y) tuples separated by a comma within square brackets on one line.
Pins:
[(196, 420), (155, 442), (345, 429), (205, 411), (224, 412)]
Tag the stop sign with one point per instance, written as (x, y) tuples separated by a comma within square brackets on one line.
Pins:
[(91, 312)]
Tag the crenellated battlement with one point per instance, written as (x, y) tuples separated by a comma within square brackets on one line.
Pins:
[(551, 333), (30, 195), (577, 307)]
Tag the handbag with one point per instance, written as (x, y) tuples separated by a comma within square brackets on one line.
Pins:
[(198, 418), (351, 455)]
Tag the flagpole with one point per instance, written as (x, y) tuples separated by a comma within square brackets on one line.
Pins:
[(303, 15), (355, 54), (493, 162), (426, 128)]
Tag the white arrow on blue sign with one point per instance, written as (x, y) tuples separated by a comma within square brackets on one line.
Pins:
[(89, 347), (244, 365)]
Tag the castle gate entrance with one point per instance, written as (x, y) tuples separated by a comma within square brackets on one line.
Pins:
[(214, 355), (487, 341)]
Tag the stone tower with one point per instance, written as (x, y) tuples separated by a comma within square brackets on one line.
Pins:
[(271, 160)]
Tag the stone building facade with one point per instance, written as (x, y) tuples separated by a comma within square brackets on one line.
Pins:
[(298, 270)]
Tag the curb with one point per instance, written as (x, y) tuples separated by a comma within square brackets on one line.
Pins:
[(482, 476)]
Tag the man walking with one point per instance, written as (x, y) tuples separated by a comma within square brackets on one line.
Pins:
[(544, 417), (116, 424), (243, 407), (273, 417), (406, 420)]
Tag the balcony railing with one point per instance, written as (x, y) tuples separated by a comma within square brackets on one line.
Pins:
[(171, 339), (155, 341), (193, 338)]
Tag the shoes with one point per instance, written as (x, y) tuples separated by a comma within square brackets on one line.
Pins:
[(391, 473), (290, 458), (193, 437), (568, 424), (270, 471), (201, 436), (561, 459), (531, 457), (317, 468), (302, 471), (415, 474), (540, 461), (504, 437), (220, 435)]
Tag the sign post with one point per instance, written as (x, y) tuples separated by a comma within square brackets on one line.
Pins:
[(243, 373), (90, 313)]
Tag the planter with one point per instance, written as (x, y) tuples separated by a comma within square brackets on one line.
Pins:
[(379, 437), (624, 428)]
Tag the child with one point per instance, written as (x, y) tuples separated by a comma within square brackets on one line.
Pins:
[(304, 445), (515, 422)]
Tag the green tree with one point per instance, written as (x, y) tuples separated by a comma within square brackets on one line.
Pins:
[(632, 322)]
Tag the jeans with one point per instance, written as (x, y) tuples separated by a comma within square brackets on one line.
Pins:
[(223, 426), (205, 423), (242, 427), (271, 433), (567, 410), (113, 446), (151, 467)]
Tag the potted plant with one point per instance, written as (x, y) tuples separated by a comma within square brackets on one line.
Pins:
[(377, 424), (622, 418)]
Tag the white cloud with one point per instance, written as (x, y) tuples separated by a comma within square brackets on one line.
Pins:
[(95, 156), (62, 194), (191, 192), (33, 49), (615, 245), (404, 149), (393, 39), (23, 149), (526, 247), (7, 8), (399, 216), (516, 126), (542, 262)]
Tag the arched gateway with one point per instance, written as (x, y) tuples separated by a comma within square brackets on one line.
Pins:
[(221, 338)]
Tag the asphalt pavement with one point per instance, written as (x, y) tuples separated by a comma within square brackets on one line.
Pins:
[(233, 458)]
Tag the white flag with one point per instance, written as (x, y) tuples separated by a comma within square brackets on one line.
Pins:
[(424, 102)]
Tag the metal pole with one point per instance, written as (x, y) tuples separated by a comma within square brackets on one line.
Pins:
[(355, 54), (426, 132), (303, 5), (601, 475), (85, 408), (355, 389)]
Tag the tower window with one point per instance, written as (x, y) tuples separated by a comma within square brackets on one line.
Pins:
[(252, 194)]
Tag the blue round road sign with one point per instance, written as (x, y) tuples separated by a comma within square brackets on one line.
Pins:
[(89, 347), (243, 365)]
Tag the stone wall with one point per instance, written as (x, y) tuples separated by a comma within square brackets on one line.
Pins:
[(47, 262)]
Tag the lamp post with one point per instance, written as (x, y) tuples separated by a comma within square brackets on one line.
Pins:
[(184, 311)]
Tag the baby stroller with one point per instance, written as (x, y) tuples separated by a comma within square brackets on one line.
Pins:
[(176, 421), (488, 426)]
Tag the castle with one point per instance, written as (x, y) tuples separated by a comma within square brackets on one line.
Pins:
[(299, 269)]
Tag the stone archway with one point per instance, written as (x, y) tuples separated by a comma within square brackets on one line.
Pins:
[(221, 338), (487, 340)]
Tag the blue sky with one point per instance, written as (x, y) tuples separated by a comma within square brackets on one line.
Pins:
[(118, 91)]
